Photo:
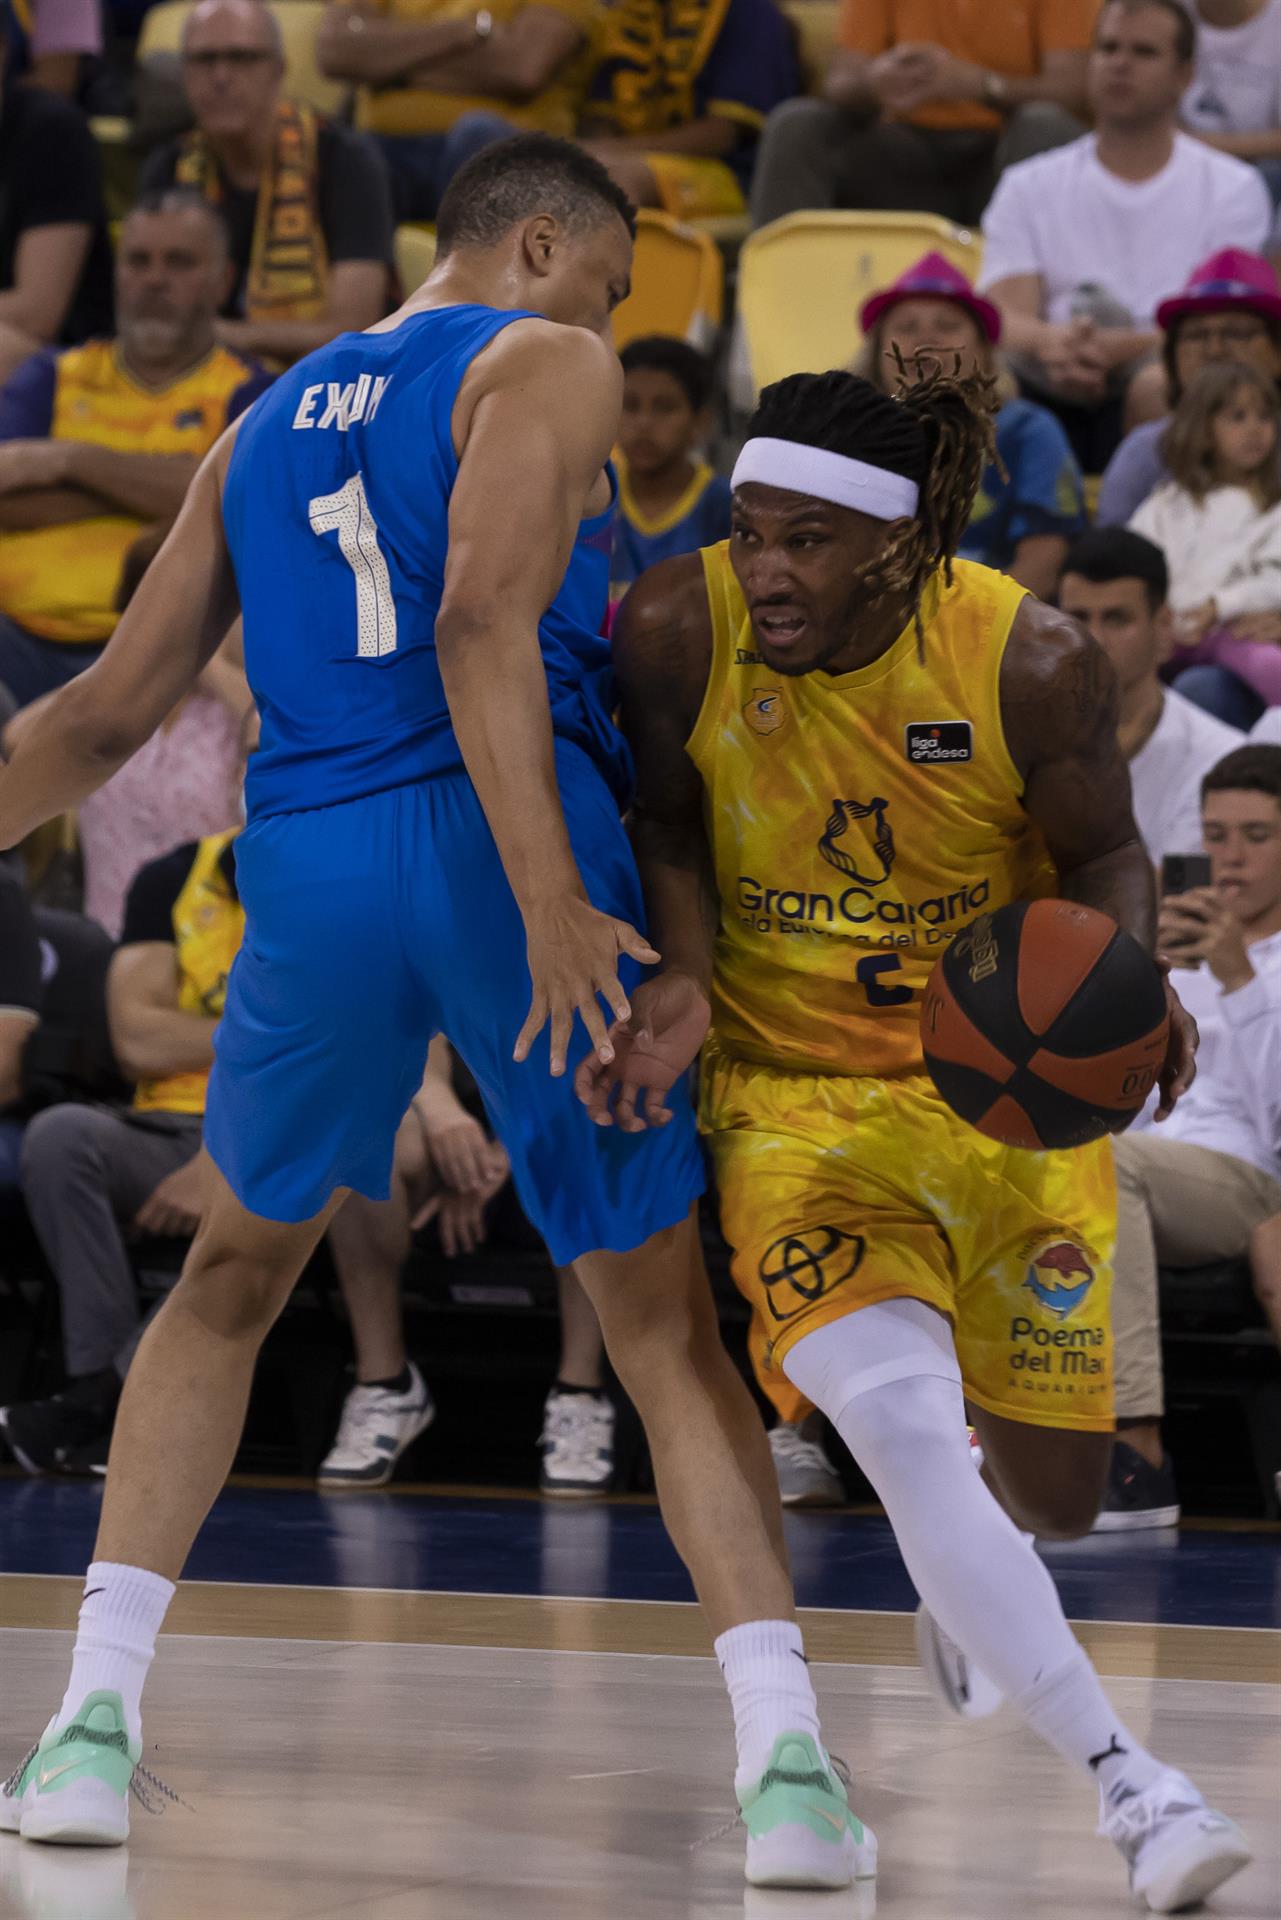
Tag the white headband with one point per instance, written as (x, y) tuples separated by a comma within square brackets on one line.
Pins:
[(827, 476)]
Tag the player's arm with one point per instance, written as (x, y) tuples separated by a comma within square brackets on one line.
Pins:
[(166, 636), (662, 651), (1059, 710), (534, 423)]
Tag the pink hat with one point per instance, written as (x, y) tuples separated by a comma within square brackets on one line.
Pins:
[(933, 278), (1232, 278)]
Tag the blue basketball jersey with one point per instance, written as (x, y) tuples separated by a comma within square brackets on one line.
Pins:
[(336, 512)]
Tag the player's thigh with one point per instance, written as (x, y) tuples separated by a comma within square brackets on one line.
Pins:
[(1034, 1247), (326, 1026), (816, 1202), (585, 1188)]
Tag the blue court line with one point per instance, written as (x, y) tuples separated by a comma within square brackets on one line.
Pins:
[(457, 1544)]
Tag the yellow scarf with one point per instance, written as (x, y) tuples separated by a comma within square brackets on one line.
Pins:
[(288, 264)]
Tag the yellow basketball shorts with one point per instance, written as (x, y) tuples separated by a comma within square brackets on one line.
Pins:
[(693, 187), (837, 1192)]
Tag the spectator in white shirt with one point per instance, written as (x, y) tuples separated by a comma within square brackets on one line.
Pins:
[(1198, 1188), (1234, 102), (1115, 583), (1080, 244)]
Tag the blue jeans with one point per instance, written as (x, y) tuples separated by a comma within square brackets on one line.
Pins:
[(423, 164), (30, 666), (11, 1132), (1219, 692)]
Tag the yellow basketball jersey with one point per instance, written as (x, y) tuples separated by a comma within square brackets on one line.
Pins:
[(208, 927), (858, 821)]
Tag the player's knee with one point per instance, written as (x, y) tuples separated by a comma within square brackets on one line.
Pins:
[(234, 1295), (1065, 1511)]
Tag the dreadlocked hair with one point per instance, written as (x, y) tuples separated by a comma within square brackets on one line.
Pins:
[(938, 429)]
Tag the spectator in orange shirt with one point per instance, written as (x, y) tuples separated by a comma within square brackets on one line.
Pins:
[(924, 103)]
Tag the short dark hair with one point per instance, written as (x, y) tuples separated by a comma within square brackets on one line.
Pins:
[(1184, 24), (516, 180), (664, 353), (175, 199), (1114, 553), (1254, 768)]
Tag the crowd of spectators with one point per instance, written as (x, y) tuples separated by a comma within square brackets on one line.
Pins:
[(1122, 162)]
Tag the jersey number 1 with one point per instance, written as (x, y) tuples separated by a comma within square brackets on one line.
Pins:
[(347, 514)]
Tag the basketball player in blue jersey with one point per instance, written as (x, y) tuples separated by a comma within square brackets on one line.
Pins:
[(414, 523)]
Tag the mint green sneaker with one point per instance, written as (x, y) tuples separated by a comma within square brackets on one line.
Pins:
[(800, 1831), (73, 1788)]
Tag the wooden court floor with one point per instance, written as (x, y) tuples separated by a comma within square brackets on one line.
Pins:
[(353, 1755)]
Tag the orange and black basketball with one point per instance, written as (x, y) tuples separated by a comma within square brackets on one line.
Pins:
[(1044, 1025)]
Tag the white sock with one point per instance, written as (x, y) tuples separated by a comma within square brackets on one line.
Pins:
[(1071, 1712), (978, 1575), (770, 1690), (121, 1614)]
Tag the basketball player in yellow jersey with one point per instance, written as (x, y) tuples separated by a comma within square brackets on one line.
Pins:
[(847, 749)]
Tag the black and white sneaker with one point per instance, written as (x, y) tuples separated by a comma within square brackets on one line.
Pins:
[(48, 1436), (577, 1445), (376, 1427), (1138, 1495)]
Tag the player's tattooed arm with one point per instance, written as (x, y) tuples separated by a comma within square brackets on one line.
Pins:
[(662, 652), (1059, 708)]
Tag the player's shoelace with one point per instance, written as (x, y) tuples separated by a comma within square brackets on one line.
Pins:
[(151, 1793), (771, 1778), (1136, 1816)]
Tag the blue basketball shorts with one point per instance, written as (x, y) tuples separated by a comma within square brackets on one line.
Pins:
[(373, 925)]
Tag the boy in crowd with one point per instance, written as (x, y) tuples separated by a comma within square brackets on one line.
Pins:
[(669, 500), (1206, 1186), (1115, 583)]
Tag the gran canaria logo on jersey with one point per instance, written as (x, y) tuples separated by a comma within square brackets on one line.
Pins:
[(843, 813)]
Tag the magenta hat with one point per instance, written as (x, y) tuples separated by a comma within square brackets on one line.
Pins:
[(934, 278), (1232, 278)]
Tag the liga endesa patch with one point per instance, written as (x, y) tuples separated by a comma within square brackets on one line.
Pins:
[(935, 741)]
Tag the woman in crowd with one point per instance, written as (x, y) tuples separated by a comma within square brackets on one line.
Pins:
[(1218, 521), (1026, 515)]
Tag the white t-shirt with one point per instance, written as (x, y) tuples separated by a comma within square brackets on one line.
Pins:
[(1065, 217), (1234, 1104), (1167, 771), (1266, 730), (1237, 88)]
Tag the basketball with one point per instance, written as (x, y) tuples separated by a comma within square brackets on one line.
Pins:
[(1044, 1025)]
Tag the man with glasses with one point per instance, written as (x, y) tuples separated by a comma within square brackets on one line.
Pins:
[(306, 202), (1230, 309)]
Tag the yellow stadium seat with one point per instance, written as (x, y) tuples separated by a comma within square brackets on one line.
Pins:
[(415, 255), (815, 22), (678, 283), (161, 32), (802, 280)]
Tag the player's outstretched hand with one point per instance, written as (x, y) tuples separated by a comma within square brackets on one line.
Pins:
[(652, 1049), (573, 956), (1179, 1070)]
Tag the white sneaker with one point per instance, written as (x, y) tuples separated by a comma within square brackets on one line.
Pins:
[(375, 1429), (577, 1445), (954, 1679), (1178, 1849), (806, 1477)]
